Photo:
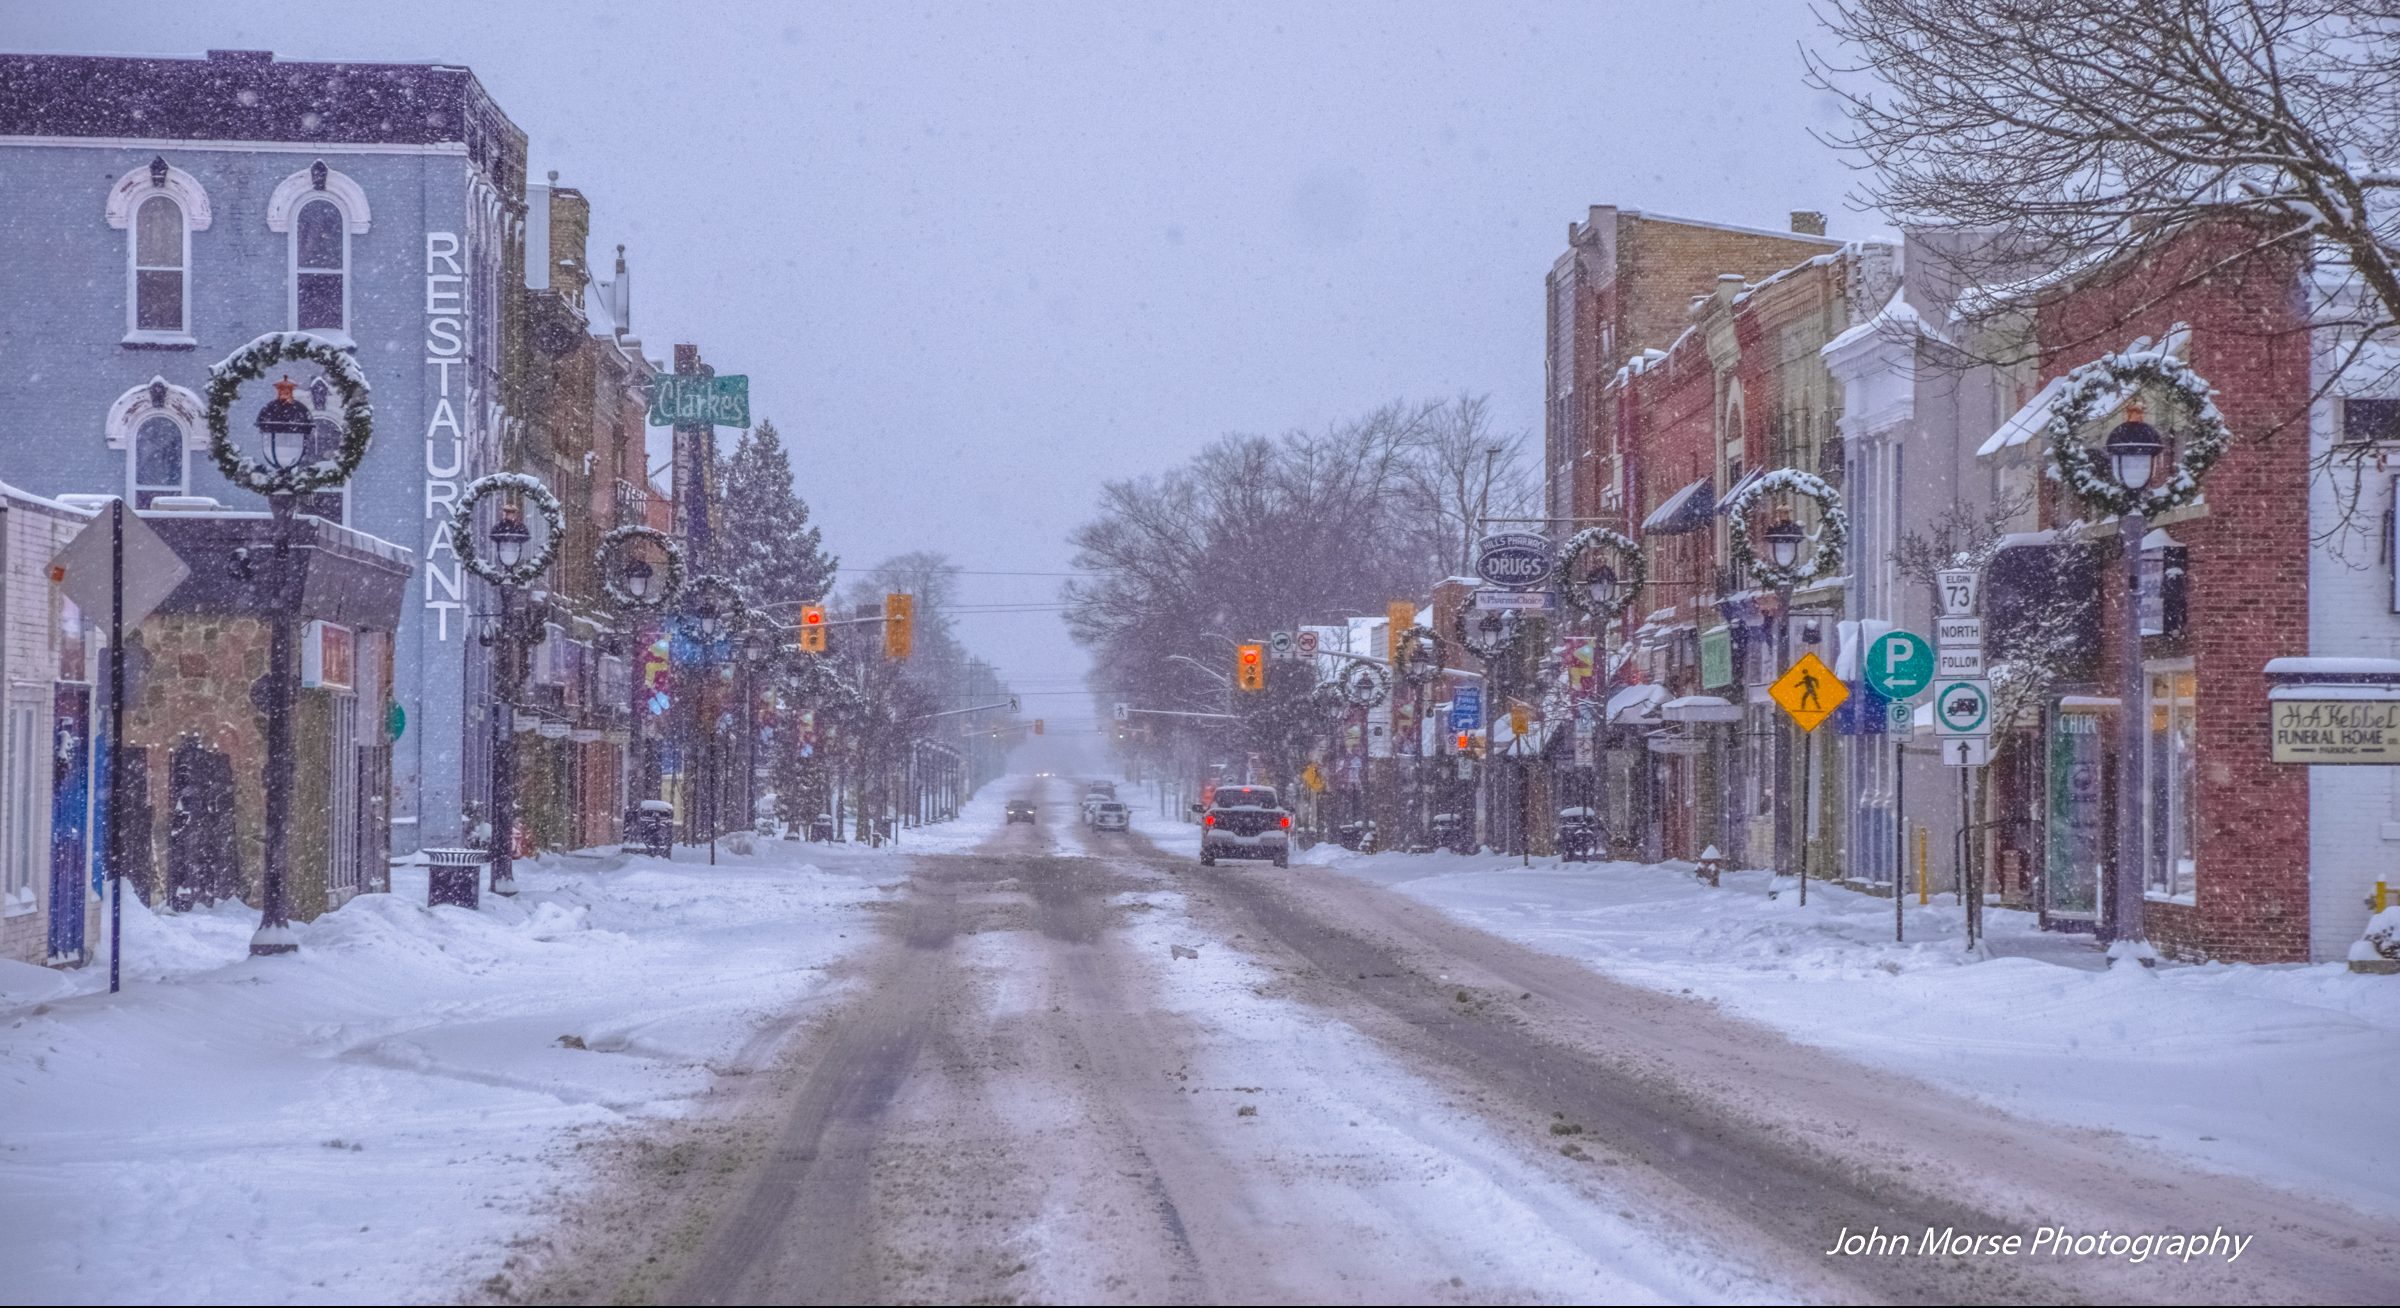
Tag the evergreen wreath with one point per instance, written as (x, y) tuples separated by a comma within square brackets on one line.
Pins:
[(2084, 467), (462, 528), (1633, 571), (669, 586), (1414, 642), (1832, 536), (250, 363), (1462, 633), (731, 607)]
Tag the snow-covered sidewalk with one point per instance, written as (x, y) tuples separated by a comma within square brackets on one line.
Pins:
[(2279, 1072), (375, 1117)]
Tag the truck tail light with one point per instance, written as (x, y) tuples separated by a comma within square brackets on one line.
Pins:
[(1207, 820), (1287, 821)]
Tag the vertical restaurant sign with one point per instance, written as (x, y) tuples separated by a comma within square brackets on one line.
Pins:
[(445, 435)]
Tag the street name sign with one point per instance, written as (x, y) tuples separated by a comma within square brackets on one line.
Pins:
[(1809, 691), (1535, 600), (1966, 751), (677, 400), (1899, 664), (1958, 589), (1963, 708)]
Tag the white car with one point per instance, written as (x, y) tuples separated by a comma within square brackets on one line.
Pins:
[(1109, 815)]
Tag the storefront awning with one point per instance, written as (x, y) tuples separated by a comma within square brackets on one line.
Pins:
[(1701, 708), (1637, 703), (1685, 510)]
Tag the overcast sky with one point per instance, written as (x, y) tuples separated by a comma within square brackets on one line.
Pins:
[(977, 259)]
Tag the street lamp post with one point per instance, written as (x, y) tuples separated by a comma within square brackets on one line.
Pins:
[(2133, 450), (284, 425), (1607, 592), (1784, 539), (508, 538)]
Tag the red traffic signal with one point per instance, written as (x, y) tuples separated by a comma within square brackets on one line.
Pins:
[(812, 628), (1250, 667)]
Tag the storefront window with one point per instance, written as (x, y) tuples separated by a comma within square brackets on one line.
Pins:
[(2173, 783)]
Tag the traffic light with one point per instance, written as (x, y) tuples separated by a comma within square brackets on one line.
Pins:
[(1466, 742), (899, 618), (812, 628), (1250, 667)]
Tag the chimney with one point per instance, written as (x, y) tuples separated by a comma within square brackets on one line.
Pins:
[(1808, 222)]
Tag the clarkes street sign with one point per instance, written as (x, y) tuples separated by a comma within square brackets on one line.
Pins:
[(681, 401)]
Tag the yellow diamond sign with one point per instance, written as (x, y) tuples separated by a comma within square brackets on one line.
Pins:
[(1809, 691)]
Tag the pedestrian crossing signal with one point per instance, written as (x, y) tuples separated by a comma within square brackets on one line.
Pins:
[(1250, 667), (812, 628)]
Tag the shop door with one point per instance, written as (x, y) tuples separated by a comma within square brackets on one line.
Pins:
[(2076, 851)]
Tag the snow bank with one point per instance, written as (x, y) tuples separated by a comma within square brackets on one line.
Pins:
[(2276, 1072), (372, 1118)]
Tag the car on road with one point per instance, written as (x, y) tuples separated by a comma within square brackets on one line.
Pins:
[(1020, 810), (1245, 822), (1109, 815)]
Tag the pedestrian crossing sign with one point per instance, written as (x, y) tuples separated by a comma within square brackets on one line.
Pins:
[(1809, 691)]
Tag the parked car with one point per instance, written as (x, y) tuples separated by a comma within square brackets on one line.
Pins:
[(1579, 834), (1245, 822), (1020, 810), (1109, 815)]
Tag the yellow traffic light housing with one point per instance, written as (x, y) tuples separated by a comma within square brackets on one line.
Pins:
[(1250, 667), (899, 625), (812, 628)]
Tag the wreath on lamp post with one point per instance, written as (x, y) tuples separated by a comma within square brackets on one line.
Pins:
[(710, 587), (2112, 377), (1832, 536), (529, 568), (249, 364), (1633, 571), (1419, 660), (669, 585)]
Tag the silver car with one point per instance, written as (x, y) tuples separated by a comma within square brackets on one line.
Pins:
[(1245, 822), (1109, 815)]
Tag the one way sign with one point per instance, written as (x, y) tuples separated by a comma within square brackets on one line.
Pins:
[(1966, 751)]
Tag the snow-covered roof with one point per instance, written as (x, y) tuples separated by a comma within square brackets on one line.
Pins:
[(1636, 703), (2312, 668), (1683, 510), (1897, 319), (1701, 708), (2026, 423), (16, 496)]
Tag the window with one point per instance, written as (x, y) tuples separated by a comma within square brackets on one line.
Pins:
[(2173, 784), (320, 263), (2371, 420), (161, 253), (324, 442), (24, 783), (157, 464)]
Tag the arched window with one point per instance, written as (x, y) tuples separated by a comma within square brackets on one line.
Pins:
[(320, 209), (158, 207), (157, 425), (162, 250), (320, 269), (157, 464)]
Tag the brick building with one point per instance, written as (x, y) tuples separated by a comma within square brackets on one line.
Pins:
[(1624, 285), (2227, 827)]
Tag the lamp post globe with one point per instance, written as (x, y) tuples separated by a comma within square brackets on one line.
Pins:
[(711, 623), (2133, 450), (285, 424), (635, 577), (1603, 587), (1783, 543), (509, 536)]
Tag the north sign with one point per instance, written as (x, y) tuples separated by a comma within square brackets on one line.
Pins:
[(1899, 664), (1515, 560)]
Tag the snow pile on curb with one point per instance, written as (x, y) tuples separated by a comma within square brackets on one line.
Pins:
[(373, 1117), (2279, 1072)]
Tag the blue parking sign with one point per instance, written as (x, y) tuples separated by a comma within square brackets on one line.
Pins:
[(1466, 709)]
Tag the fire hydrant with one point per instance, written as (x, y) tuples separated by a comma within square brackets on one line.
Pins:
[(1711, 863)]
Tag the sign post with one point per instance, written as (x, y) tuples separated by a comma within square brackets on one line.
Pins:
[(1809, 692), (1900, 665)]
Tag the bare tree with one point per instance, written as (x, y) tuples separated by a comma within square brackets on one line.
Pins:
[(1462, 468), (2047, 638), (2082, 133)]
